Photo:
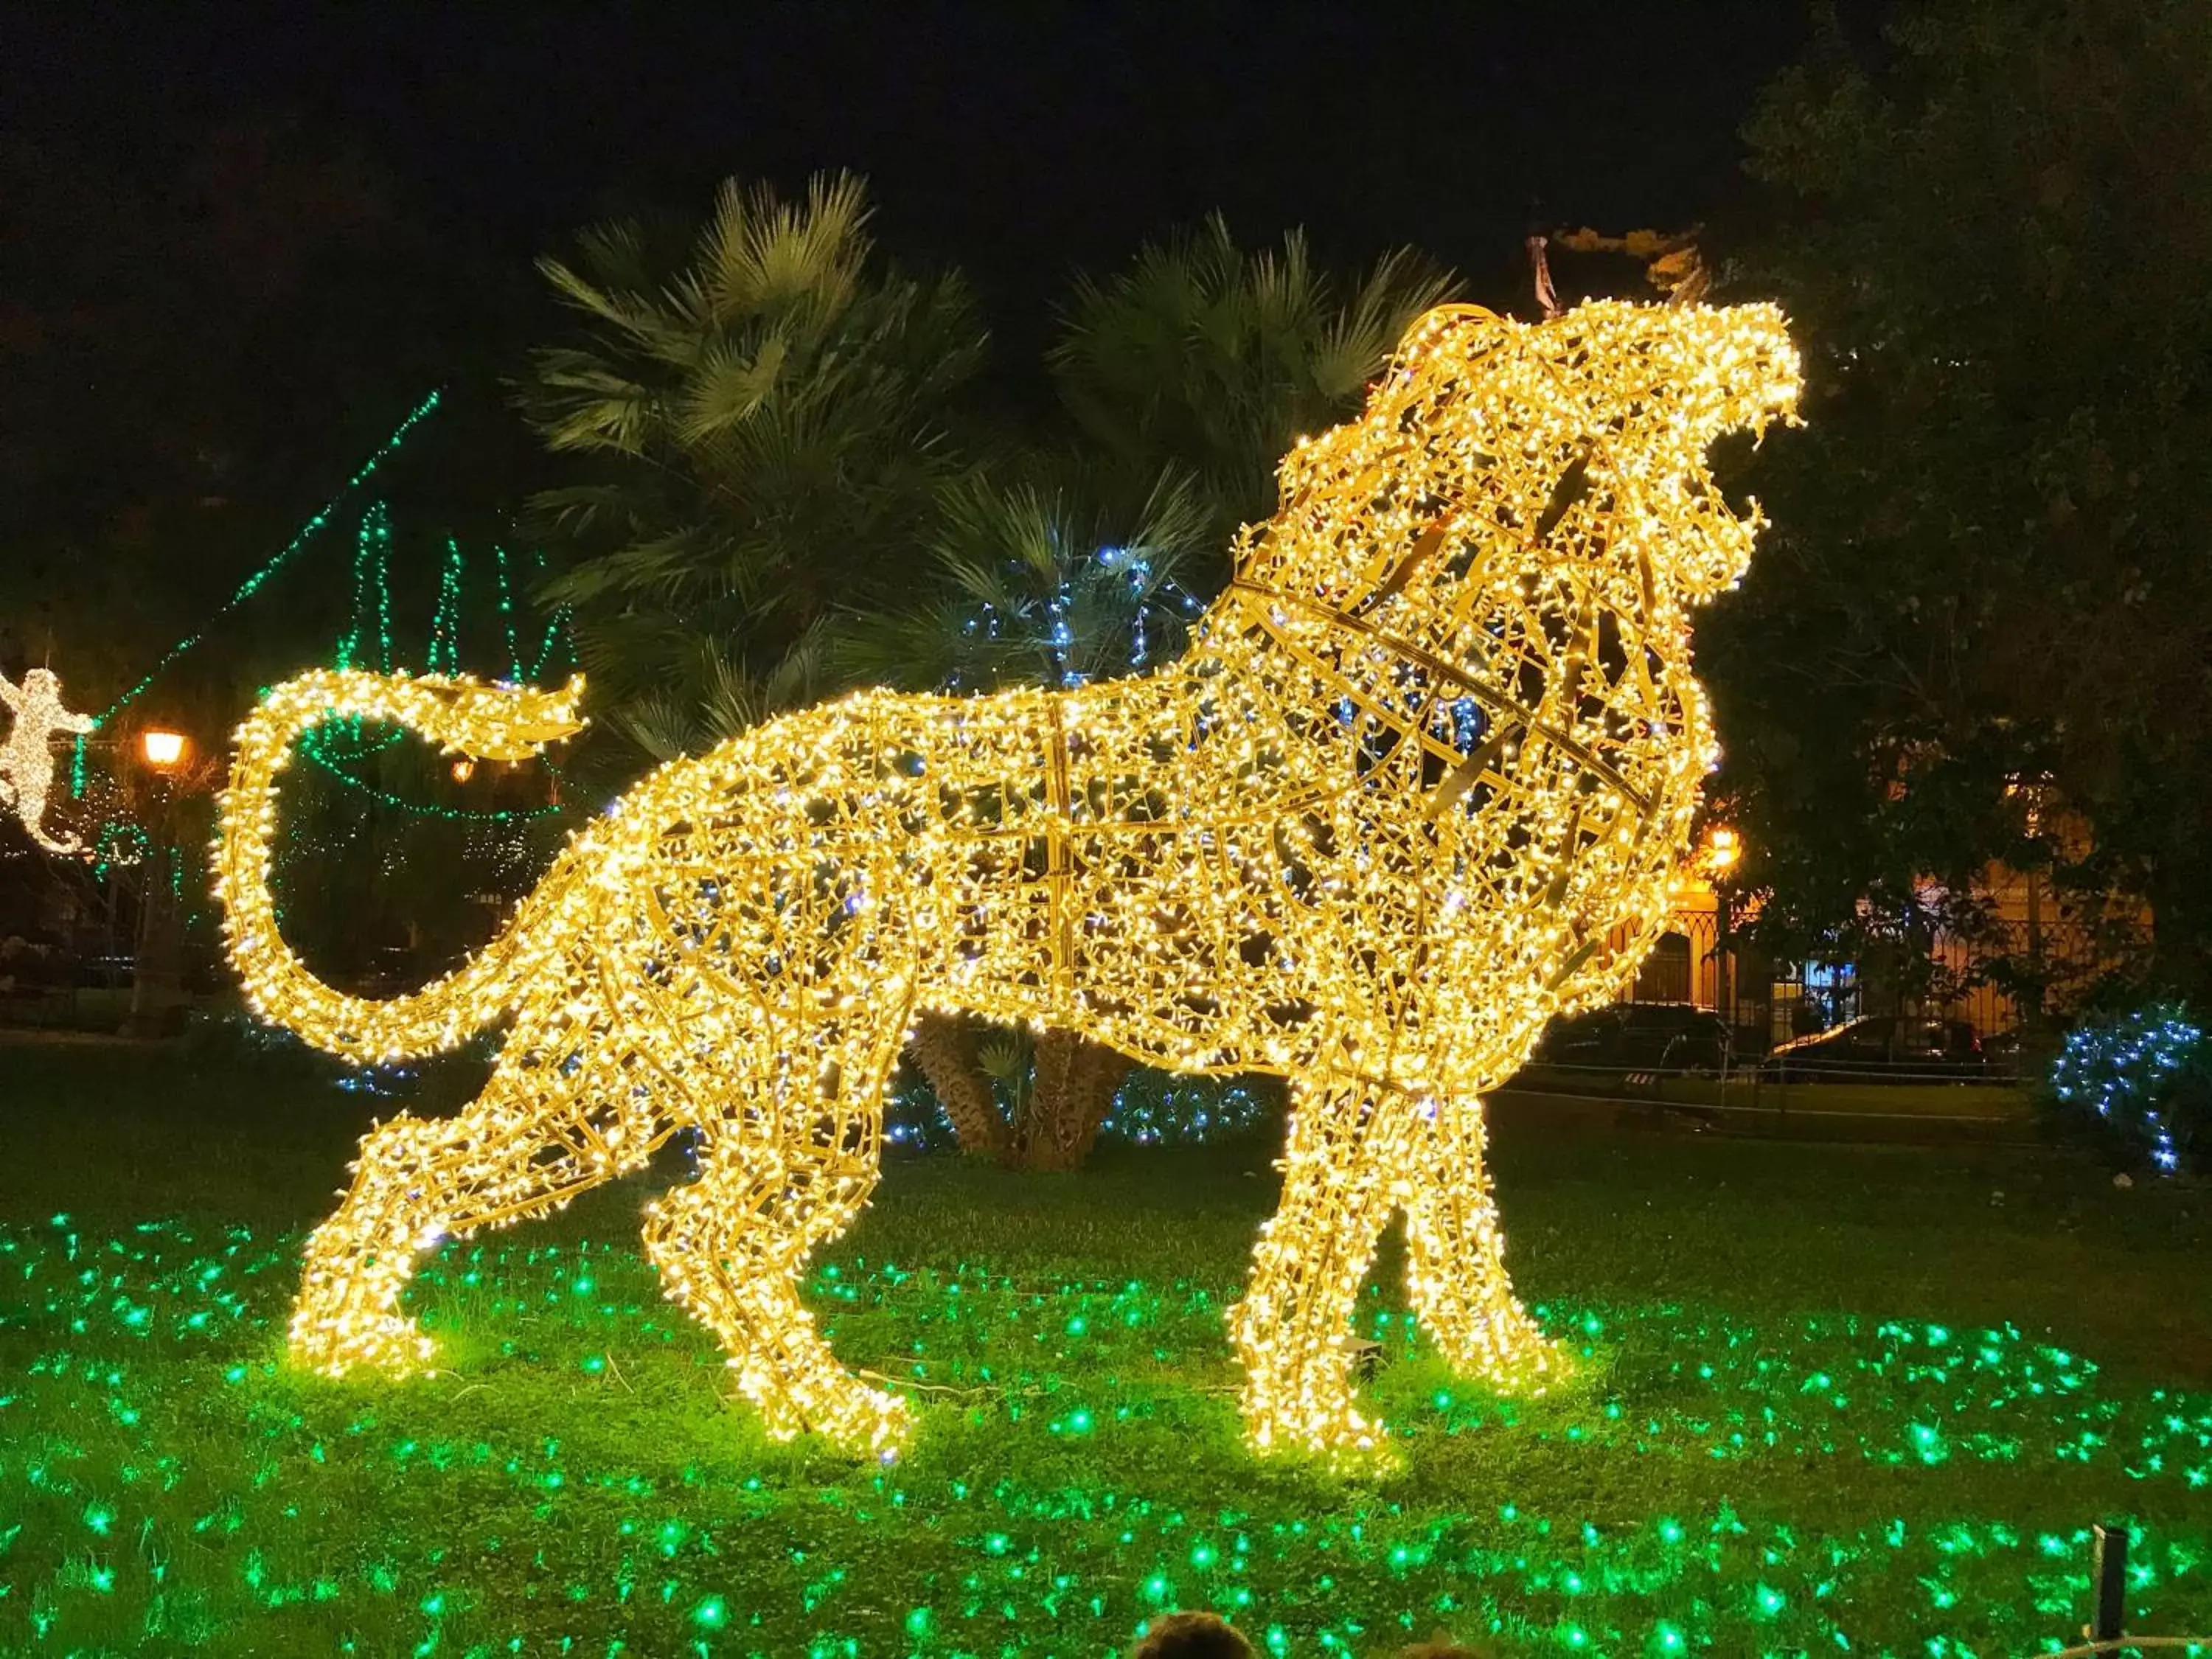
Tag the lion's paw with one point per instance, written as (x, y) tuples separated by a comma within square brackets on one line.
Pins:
[(1337, 1433), (864, 1421), (336, 1343)]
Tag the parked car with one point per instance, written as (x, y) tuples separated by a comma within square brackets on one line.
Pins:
[(1665, 1038), (1884, 1049), (2015, 1054)]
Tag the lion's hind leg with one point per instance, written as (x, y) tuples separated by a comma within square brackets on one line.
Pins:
[(524, 1145), (1456, 1273), (783, 1169)]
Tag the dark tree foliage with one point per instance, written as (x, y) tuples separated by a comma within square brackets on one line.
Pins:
[(759, 416), (1208, 356), (1989, 566)]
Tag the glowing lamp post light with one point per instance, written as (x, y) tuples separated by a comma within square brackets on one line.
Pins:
[(161, 749)]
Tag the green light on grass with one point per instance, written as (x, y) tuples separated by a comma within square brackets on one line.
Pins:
[(1068, 1529)]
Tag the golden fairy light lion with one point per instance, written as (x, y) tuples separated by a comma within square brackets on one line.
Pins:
[(1418, 784)]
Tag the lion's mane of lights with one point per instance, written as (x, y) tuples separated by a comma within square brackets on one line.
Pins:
[(1418, 783)]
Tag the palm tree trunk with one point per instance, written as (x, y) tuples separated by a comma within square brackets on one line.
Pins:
[(945, 1049), (1073, 1091)]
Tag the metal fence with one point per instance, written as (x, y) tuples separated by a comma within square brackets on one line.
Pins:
[(1768, 1002)]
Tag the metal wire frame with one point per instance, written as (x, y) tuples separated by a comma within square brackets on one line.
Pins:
[(1418, 784)]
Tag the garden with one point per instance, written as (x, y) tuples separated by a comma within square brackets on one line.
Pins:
[(1863, 1401)]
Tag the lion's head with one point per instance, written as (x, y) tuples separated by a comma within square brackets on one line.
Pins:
[(1582, 437)]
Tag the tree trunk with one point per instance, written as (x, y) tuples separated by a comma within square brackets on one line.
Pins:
[(1069, 1098), (945, 1049)]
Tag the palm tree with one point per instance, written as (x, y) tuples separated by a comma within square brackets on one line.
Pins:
[(763, 416), (1204, 355), (1044, 580), (766, 413)]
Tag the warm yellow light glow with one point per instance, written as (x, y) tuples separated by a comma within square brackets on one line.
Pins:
[(26, 760), (161, 749), (464, 769), (1418, 784), (1722, 849)]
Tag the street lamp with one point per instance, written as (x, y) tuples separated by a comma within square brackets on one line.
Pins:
[(157, 964), (1722, 849)]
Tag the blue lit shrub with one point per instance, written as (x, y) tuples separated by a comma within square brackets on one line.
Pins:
[(1150, 1108), (2144, 1076), (1157, 1108)]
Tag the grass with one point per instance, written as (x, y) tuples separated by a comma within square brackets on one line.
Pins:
[(1834, 1401)]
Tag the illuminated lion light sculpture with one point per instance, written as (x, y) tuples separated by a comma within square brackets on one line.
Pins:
[(1418, 784)]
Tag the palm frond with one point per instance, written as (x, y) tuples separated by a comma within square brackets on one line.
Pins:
[(1203, 354)]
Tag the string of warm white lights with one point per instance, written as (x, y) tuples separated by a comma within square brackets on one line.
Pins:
[(1418, 784)]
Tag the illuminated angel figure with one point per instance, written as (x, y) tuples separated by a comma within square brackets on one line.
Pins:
[(1418, 785), (26, 761)]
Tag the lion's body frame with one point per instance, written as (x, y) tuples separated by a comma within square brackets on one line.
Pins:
[(1400, 801)]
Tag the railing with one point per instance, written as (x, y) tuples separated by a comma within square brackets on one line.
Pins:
[(58, 988), (1907, 1108), (2108, 1579), (1689, 965)]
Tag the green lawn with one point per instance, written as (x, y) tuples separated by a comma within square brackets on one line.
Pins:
[(1832, 1400)]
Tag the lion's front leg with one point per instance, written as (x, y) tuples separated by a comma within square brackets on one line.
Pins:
[(784, 1167), (1312, 1257), (1455, 1252)]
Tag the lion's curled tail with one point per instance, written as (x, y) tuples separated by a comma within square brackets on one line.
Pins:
[(462, 715)]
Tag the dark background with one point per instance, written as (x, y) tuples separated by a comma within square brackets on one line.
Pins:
[(240, 241)]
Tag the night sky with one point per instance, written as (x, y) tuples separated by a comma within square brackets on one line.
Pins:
[(240, 240)]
